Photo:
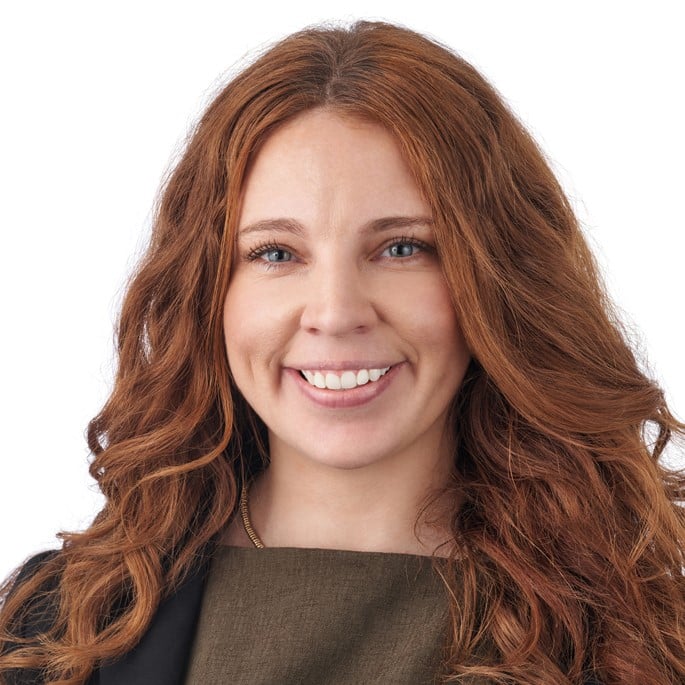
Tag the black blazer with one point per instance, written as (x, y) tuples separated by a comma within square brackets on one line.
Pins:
[(160, 658)]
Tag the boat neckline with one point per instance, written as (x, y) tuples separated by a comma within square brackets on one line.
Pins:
[(320, 550)]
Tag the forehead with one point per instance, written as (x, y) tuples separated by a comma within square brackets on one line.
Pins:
[(321, 165)]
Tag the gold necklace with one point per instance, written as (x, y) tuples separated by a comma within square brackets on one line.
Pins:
[(246, 520)]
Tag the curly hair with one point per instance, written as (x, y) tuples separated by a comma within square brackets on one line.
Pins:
[(568, 526)]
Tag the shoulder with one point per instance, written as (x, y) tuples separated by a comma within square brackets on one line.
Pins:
[(39, 611), (36, 613), (33, 564)]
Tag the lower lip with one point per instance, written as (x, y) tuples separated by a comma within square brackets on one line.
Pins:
[(343, 399)]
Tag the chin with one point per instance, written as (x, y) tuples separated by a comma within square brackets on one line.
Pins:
[(340, 457), (347, 463)]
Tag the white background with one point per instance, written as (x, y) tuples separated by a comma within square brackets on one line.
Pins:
[(97, 98)]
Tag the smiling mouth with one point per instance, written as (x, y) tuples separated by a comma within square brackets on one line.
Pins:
[(345, 380)]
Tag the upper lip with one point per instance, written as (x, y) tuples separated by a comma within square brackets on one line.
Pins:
[(341, 366)]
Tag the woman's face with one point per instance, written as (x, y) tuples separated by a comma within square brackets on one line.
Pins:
[(339, 328)]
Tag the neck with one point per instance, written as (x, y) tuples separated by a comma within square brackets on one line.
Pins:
[(298, 503)]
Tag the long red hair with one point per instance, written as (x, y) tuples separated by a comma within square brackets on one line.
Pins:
[(569, 529)]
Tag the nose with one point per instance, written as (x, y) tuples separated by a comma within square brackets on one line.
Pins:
[(338, 300)]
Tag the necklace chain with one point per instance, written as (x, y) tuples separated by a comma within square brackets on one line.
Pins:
[(244, 513)]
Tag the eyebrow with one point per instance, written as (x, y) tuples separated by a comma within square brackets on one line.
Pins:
[(286, 225)]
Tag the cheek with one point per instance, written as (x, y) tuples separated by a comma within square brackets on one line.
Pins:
[(240, 328), (431, 315), (254, 328)]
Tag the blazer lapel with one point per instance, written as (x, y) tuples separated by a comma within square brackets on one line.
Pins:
[(161, 657)]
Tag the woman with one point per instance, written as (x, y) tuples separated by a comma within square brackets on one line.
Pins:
[(367, 333)]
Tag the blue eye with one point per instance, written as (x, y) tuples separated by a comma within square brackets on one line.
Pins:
[(276, 255), (403, 249)]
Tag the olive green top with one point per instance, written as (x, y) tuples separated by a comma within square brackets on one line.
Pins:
[(294, 616)]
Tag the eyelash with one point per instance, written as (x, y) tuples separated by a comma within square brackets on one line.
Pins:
[(256, 252), (260, 250)]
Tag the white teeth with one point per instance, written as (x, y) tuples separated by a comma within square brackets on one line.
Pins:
[(345, 381), (348, 380), (332, 381)]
